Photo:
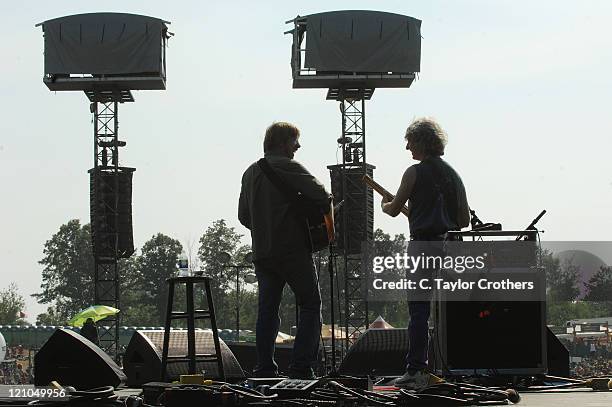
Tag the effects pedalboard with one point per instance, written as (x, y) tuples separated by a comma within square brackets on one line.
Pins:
[(280, 389), (293, 388)]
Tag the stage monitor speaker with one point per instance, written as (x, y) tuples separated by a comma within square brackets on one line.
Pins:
[(378, 352), (71, 360), (557, 355), (491, 338), (104, 209), (142, 361), (246, 354)]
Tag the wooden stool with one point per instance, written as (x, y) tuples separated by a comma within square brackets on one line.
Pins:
[(191, 314)]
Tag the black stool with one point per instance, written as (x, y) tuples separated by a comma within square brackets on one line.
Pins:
[(191, 315)]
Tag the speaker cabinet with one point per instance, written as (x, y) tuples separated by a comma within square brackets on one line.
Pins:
[(72, 360), (358, 206), (116, 51), (558, 356), (246, 353), (378, 352), (491, 338), (142, 362), (110, 202)]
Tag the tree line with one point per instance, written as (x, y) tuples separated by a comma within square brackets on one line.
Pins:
[(563, 291), (68, 281), (68, 274), (68, 271)]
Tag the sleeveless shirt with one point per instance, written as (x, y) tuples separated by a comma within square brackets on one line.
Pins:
[(434, 199)]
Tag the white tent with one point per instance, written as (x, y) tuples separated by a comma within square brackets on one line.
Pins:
[(380, 323), (283, 337), (326, 332)]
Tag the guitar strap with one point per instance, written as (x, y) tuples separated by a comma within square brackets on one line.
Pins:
[(300, 205), (292, 195), (277, 181)]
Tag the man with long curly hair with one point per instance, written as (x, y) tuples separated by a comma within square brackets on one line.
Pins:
[(437, 203)]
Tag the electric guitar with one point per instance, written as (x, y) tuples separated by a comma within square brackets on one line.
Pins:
[(382, 191)]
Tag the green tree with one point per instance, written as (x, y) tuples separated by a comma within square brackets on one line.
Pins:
[(12, 305), (562, 291), (50, 317), (599, 289), (559, 312), (149, 293), (599, 286), (219, 238), (248, 308), (394, 312), (136, 309), (68, 270), (68, 274), (561, 278)]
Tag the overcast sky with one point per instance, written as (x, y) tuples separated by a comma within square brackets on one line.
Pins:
[(523, 89)]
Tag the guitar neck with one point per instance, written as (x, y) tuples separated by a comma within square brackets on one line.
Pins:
[(382, 191)]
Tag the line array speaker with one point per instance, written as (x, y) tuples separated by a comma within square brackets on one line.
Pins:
[(104, 207), (358, 204)]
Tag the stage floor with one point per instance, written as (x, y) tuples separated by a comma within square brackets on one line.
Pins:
[(567, 398), (557, 398)]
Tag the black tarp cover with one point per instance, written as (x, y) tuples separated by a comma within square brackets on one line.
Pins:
[(104, 43), (363, 41)]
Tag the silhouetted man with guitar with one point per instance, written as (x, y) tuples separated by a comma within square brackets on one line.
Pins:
[(277, 197), (437, 203)]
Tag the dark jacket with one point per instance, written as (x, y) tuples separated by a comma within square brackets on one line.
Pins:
[(275, 229), (90, 331)]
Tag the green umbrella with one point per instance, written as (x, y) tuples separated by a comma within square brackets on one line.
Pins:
[(95, 312)]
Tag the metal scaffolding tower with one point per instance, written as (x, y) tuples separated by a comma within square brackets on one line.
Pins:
[(105, 178), (107, 71), (351, 53), (355, 293), (355, 226)]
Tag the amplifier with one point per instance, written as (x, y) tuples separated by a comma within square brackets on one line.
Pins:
[(494, 338)]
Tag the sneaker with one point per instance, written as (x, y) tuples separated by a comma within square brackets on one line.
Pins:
[(417, 380)]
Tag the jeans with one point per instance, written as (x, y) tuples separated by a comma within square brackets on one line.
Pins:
[(418, 335), (272, 274), (419, 307)]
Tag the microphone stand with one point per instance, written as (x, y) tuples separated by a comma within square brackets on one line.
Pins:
[(330, 269), (531, 226)]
